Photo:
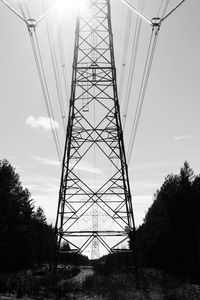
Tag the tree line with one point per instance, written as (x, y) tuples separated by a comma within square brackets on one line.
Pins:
[(25, 236), (26, 240), (169, 238)]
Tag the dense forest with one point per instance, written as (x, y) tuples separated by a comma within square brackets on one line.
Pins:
[(26, 240), (169, 238), (25, 236)]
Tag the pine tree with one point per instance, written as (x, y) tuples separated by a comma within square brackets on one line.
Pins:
[(169, 237), (16, 211)]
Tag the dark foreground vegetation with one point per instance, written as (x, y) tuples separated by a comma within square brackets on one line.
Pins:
[(168, 244), (169, 238), (115, 286), (25, 237)]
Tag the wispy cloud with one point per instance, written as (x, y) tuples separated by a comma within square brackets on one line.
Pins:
[(81, 166), (41, 122), (87, 167), (42, 184), (46, 161), (182, 137), (36, 180)]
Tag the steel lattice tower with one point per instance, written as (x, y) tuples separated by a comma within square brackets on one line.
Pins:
[(95, 208)]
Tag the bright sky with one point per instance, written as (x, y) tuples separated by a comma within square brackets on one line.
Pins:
[(169, 129)]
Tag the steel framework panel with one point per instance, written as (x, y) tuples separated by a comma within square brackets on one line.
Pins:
[(94, 169)]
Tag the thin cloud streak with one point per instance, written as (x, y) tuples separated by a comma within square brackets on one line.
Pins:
[(47, 161), (81, 166), (42, 122), (182, 137), (87, 167)]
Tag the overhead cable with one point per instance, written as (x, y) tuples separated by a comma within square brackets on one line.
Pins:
[(137, 12), (132, 64), (45, 15), (22, 11), (55, 70), (165, 9), (159, 9), (49, 105), (45, 90), (177, 6), (31, 23), (62, 60), (125, 51), (27, 10), (143, 88), (14, 11)]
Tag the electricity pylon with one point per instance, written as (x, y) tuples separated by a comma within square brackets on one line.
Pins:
[(94, 181)]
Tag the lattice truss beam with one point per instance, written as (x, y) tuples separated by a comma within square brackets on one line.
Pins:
[(94, 165)]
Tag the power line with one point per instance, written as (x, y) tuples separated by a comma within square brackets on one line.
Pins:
[(159, 9), (22, 11), (145, 78), (13, 10), (137, 12), (28, 12), (45, 15), (171, 12), (132, 64), (43, 82), (164, 9), (39, 64), (48, 97), (62, 59), (125, 51), (55, 69)]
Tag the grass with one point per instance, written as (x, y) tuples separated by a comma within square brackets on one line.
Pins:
[(156, 285)]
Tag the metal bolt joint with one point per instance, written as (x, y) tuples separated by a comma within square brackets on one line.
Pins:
[(31, 23), (156, 22)]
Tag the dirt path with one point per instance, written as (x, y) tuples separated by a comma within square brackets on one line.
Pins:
[(81, 277)]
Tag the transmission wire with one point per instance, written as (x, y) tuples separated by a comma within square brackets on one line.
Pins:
[(164, 9), (132, 64), (159, 9), (130, 146), (55, 69), (143, 88), (171, 11), (51, 116), (13, 10), (144, 84), (28, 12), (48, 95), (21, 9), (62, 60), (42, 77), (125, 51)]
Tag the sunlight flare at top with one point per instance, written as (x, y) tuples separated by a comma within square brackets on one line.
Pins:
[(78, 5)]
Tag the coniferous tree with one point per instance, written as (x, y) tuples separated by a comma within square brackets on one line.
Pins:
[(16, 211), (42, 237), (169, 237), (25, 236)]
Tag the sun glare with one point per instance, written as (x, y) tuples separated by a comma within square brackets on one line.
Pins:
[(63, 5)]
